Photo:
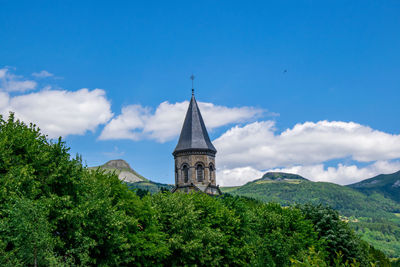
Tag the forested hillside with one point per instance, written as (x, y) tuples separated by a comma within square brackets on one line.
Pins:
[(56, 212), (385, 184), (374, 215)]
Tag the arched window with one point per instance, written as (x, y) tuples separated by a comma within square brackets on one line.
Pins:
[(211, 168), (185, 172), (200, 172)]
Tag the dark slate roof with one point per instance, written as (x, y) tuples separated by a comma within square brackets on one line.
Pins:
[(194, 134)]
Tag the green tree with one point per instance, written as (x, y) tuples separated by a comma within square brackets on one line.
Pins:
[(310, 259), (283, 234), (65, 212), (201, 230), (336, 234), (26, 230), (56, 212)]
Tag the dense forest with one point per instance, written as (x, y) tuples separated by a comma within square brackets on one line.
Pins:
[(56, 212), (374, 216)]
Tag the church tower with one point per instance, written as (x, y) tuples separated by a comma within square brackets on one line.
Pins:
[(195, 155)]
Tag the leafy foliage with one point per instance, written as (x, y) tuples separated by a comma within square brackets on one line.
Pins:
[(372, 215), (335, 233), (151, 187), (55, 212)]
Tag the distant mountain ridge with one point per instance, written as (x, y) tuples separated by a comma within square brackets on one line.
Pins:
[(386, 184), (123, 170), (128, 175), (289, 189), (370, 206), (281, 176)]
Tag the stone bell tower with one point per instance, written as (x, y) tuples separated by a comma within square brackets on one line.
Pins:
[(195, 155)]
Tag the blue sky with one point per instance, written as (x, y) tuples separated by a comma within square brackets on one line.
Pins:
[(318, 64)]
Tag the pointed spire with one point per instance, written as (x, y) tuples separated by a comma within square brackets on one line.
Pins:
[(192, 78), (194, 136)]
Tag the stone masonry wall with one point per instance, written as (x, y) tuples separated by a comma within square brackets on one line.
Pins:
[(192, 161)]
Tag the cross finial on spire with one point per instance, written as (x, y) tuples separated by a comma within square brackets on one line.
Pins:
[(192, 78)]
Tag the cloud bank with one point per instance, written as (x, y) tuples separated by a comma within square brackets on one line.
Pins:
[(340, 174), (56, 112), (304, 149), (60, 113), (343, 174), (257, 145), (164, 124)]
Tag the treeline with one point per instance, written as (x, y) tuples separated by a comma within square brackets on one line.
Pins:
[(56, 212), (349, 201), (372, 216)]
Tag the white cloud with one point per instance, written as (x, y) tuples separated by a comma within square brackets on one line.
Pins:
[(166, 122), (3, 73), (4, 99), (42, 74), (136, 122), (125, 125), (20, 86), (237, 176), (304, 149), (216, 116), (258, 145), (13, 83), (340, 174), (60, 112)]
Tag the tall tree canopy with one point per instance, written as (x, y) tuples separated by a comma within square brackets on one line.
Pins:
[(56, 212)]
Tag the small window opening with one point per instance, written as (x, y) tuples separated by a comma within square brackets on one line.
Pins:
[(211, 168), (185, 171), (200, 173)]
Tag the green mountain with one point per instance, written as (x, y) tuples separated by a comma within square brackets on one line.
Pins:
[(133, 179), (123, 170), (288, 189), (385, 184), (281, 176), (375, 215)]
